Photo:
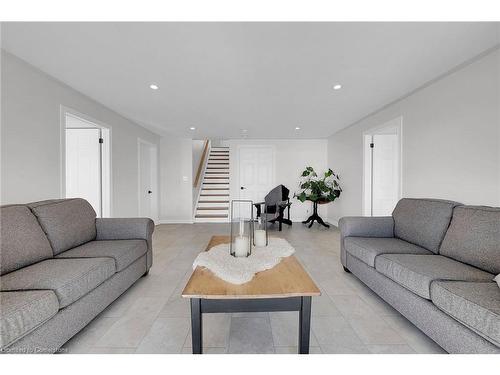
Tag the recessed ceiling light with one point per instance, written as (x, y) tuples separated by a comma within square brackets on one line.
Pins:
[(337, 86), (192, 128), (244, 130), (297, 128), (153, 86)]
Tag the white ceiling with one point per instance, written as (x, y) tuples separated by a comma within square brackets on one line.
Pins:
[(264, 77)]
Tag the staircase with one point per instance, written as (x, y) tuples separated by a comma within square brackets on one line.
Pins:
[(213, 203)]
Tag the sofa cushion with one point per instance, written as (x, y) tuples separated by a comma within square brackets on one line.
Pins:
[(123, 252), (476, 305), (474, 237), (417, 272), (367, 249), (67, 222), (22, 239), (21, 312), (423, 222), (70, 279)]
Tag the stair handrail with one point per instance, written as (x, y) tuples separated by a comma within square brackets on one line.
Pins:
[(202, 163)]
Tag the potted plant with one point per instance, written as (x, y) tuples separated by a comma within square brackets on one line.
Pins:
[(319, 190)]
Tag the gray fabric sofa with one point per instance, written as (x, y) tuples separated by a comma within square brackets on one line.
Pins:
[(434, 261), (60, 266)]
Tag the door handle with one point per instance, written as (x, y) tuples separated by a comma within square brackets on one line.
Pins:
[(149, 191)]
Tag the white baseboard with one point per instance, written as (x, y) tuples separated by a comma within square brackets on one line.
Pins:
[(294, 220), (328, 220), (333, 221), (175, 221)]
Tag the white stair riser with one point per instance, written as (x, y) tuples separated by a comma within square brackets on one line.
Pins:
[(214, 192), (212, 180), (213, 198), (210, 220), (224, 176), (212, 212)]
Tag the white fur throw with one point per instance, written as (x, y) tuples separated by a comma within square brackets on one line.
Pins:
[(242, 270), (497, 279)]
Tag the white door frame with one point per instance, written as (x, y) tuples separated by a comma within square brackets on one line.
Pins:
[(63, 110), (154, 177), (396, 123)]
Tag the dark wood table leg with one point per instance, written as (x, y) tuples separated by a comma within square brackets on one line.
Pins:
[(304, 325), (316, 217), (196, 326)]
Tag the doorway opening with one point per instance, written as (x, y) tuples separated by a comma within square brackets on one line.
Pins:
[(382, 161), (147, 155), (87, 162)]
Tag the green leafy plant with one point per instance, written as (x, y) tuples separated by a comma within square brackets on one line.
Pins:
[(318, 189)]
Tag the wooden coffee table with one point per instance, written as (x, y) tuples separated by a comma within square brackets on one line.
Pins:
[(286, 287)]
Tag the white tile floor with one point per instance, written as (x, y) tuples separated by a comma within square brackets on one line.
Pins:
[(151, 317)]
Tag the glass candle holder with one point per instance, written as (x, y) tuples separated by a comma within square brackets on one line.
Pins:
[(241, 228), (260, 236)]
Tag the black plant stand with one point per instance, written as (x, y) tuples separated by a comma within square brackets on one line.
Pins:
[(316, 217)]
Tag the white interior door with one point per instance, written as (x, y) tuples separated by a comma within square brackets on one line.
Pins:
[(83, 166), (385, 174), (382, 169), (256, 172), (147, 180)]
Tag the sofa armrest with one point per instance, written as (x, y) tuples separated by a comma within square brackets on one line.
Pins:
[(362, 226), (127, 229)]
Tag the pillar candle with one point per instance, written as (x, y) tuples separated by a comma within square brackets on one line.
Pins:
[(260, 237), (241, 246)]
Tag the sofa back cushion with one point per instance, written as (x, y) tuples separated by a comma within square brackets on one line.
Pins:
[(22, 241), (474, 237), (423, 222), (67, 222)]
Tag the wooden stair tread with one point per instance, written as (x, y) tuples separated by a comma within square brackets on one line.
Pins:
[(212, 208), (214, 195), (213, 201), (208, 216)]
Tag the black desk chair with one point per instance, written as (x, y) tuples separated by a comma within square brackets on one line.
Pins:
[(275, 204)]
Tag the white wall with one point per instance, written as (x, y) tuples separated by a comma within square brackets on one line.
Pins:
[(451, 141), (197, 152), (30, 130), (292, 156), (176, 180)]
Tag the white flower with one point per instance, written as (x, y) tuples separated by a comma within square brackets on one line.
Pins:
[(329, 181)]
